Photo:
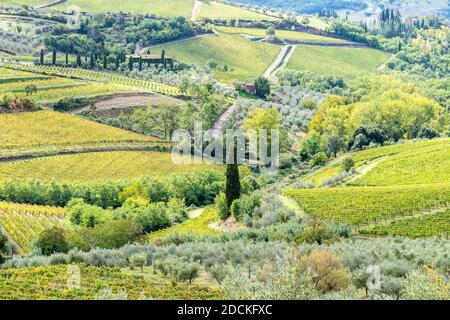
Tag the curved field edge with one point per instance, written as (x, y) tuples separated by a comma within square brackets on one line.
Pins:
[(198, 226)]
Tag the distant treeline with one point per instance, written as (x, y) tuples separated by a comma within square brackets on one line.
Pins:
[(306, 6)]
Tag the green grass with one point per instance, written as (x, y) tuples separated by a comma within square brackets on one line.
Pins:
[(197, 226), (282, 34), (398, 151), (344, 62), (423, 166), (429, 225), (24, 2), (246, 60), (48, 129), (216, 10), (101, 166), (169, 8), (365, 205)]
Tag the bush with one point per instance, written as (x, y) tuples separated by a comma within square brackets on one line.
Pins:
[(82, 214), (70, 104), (154, 217), (348, 163), (426, 132), (328, 271), (188, 272), (52, 241), (319, 159), (221, 205)]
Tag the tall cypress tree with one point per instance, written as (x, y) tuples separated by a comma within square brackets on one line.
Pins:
[(117, 61), (92, 62), (67, 58), (41, 57), (233, 184), (105, 62), (54, 57), (78, 60)]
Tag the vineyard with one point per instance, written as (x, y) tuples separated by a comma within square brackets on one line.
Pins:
[(100, 166), (92, 75), (414, 167), (365, 205), (414, 149), (25, 222), (49, 129), (428, 225), (197, 226), (95, 283)]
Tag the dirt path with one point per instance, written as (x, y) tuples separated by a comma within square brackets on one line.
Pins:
[(280, 62), (364, 169), (196, 10), (217, 129)]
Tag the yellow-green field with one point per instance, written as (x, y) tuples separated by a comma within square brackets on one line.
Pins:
[(48, 128), (416, 167), (169, 8), (100, 166), (282, 34), (216, 10), (24, 2), (343, 62), (197, 226), (246, 60)]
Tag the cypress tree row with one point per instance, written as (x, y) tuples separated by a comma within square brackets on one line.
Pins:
[(41, 57)]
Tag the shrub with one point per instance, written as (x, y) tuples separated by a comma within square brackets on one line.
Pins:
[(221, 205), (426, 132), (154, 217), (328, 271), (348, 163), (52, 241), (70, 104), (319, 159)]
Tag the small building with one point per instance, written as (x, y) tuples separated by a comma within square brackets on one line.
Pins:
[(151, 59), (250, 88)]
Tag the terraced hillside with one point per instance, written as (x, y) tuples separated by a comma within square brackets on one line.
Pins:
[(243, 59), (402, 189)]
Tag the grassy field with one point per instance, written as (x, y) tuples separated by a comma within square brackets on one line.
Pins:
[(101, 166), (245, 60), (364, 205), (168, 8), (216, 10), (51, 283), (48, 128), (336, 61), (25, 222), (282, 34), (414, 167), (24, 2), (197, 226)]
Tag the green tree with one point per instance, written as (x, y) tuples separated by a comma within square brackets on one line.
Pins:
[(262, 87), (233, 184), (54, 57), (52, 241)]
